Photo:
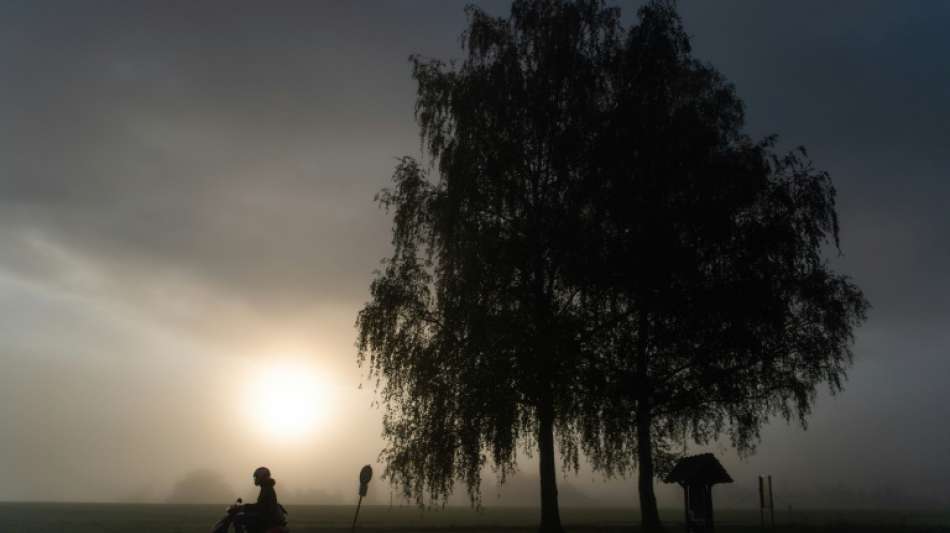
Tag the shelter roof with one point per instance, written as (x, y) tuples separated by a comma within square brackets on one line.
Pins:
[(702, 469)]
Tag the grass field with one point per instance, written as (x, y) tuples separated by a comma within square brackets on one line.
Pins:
[(135, 518)]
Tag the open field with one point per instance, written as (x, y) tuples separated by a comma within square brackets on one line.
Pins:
[(102, 518)]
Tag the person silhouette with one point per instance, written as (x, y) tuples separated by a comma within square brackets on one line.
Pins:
[(265, 516)]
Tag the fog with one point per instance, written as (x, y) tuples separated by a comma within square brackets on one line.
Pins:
[(186, 196)]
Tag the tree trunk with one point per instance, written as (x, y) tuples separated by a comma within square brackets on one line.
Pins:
[(550, 515), (649, 516)]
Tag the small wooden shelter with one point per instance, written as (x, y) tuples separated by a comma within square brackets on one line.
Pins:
[(697, 474)]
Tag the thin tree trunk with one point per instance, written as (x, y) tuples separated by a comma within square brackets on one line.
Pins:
[(649, 515), (550, 515)]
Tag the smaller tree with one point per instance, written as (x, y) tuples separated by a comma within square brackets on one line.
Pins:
[(708, 258)]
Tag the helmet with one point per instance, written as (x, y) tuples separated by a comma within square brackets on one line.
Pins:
[(262, 472)]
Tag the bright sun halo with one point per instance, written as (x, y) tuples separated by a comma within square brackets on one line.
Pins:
[(287, 400)]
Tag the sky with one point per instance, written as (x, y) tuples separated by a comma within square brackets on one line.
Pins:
[(187, 211)]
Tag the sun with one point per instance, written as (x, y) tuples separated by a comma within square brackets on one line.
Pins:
[(287, 400)]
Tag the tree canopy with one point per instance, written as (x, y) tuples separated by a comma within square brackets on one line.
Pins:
[(472, 323), (710, 252), (595, 254)]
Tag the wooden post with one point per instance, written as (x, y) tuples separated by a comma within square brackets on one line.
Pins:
[(771, 503), (686, 506), (761, 505)]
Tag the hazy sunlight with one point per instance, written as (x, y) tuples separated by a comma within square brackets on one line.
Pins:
[(289, 400)]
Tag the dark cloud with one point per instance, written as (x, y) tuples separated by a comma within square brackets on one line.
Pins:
[(184, 172), (230, 143), (861, 85)]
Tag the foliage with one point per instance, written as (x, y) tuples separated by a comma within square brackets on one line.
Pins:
[(471, 323), (708, 250), (601, 254)]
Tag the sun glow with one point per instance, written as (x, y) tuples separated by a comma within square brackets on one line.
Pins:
[(287, 400)]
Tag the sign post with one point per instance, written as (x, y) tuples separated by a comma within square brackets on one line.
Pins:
[(366, 474)]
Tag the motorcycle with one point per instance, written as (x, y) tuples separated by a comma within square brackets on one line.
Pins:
[(235, 516)]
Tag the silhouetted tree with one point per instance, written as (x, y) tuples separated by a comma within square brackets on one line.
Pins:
[(705, 255), (471, 322), (602, 257)]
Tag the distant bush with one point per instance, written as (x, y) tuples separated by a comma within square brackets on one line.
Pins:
[(201, 486)]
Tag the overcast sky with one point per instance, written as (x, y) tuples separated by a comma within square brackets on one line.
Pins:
[(186, 196)]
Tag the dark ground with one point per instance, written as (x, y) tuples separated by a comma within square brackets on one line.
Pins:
[(147, 518)]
